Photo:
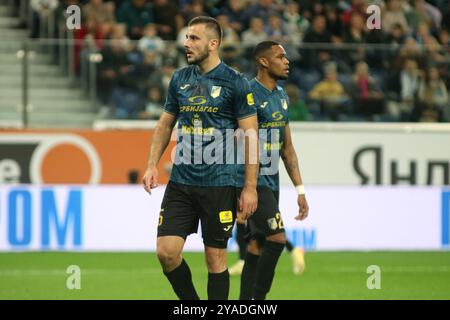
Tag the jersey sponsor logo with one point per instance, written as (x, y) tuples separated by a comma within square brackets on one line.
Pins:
[(273, 124), (199, 109), (273, 146), (250, 100), (184, 86), (196, 100), (215, 91), (264, 104), (226, 216), (277, 116), (197, 130), (284, 104)]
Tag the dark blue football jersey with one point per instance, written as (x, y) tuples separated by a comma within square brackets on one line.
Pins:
[(208, 107), (272, 109)]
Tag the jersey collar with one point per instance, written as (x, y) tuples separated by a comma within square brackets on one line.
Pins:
[(197, 71), (277, 87)]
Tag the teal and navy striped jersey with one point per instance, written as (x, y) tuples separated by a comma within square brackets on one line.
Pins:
[(272, 109), (208, 107)]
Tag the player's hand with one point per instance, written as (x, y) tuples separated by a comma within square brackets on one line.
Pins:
[(248, 201), (240, 218), (303, 207), (150, 179)]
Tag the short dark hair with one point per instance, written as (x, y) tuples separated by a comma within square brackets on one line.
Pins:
[(263, 47), (211, 24)]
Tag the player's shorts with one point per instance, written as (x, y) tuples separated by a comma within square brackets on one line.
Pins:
[(266, 220), (183, 206)]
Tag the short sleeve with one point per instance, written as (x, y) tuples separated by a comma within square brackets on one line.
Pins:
[(171, 104), (244, 104)]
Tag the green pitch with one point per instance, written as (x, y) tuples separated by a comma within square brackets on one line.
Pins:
[(404, 275)]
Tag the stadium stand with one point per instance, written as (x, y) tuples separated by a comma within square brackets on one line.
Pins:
[(118, 64)]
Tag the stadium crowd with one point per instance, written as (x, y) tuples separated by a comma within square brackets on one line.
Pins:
[(340, 69)]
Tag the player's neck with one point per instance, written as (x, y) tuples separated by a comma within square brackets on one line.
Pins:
[(266, 80), (209, 64)]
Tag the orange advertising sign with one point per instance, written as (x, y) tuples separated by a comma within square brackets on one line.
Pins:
[(77, 156)]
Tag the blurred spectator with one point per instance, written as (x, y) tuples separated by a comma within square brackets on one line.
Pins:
[(99, 11), (115, 66), (150, 42), (433, 93), (296, 25), (230, 46), (153, 105), (230, 37), (318, 9), (262, 9), (446, 18), (276, 31), (394, 40), (317, 33), (433, 52), (422, 32), (330, 94), (334, 24), (152, 45), (393, 14), (87, 39), (355, 34), (297, 107), (409, 78), (357, 6), (430, 12), (254, 35), (410, 51), (136, 14), (194, 9), (167, 18), (368, 99), (43, 10), (234, 10), (119, 35)]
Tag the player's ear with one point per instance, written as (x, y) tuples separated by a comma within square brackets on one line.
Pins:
[(263, 62), (214, 44)]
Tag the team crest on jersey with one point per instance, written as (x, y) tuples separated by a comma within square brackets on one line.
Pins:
[(272, 222), (196, 120), (215, 91), (284, 104)]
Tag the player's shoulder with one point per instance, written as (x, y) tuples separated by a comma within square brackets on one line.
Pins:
[(183, 72), (232, 74)]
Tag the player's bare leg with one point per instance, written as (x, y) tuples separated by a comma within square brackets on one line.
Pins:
[(168, 250), (218, 276)]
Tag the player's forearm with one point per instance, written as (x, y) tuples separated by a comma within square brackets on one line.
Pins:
[(290, 160), (160, 141), (251, 162)]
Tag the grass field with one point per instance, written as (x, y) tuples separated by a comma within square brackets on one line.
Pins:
[(404, 275)]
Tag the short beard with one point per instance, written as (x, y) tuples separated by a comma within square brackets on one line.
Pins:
[(203, 56), (278, 77)]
